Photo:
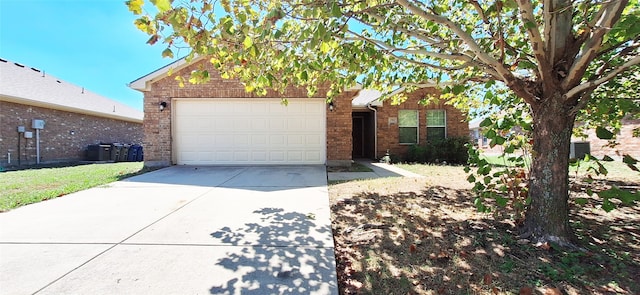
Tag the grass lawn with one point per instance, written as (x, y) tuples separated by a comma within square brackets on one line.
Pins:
[(424, 236), (616, 169), (19, 188)]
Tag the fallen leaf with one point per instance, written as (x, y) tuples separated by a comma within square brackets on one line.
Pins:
[(495, 290), (412, 248), (487, 279), (544, 246), (552, 291), (523, 241), (526, 291)]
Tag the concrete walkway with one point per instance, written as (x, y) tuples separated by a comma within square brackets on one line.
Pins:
[(380, 170), (179, 230)]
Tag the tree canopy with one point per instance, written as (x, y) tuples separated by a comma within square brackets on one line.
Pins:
[(558, 57)]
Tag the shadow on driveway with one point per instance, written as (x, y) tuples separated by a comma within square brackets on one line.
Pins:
[(274, 266)]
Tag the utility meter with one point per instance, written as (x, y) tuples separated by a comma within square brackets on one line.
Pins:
[(21, 129), (37, 124)]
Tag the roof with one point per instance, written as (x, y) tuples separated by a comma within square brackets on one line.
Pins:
[(31, 86), (475, 123), (144, 83), (367, 97)]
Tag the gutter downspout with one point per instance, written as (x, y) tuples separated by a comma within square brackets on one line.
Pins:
[(375, 129)]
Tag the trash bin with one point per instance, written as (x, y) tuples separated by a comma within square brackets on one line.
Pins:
[(116, 149), (124, 153), (133, 153), (140, 155), (98, 152)]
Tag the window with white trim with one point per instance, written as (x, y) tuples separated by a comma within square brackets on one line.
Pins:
[(408, 123), (436, 125)]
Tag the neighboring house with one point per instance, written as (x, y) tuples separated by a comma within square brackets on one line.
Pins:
[(627, 142), (73, 118), (219, 123)]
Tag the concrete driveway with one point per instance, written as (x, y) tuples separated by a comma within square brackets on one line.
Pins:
[(178, 230)]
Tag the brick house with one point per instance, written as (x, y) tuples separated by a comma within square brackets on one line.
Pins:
[(627, 142), (219, 123), (73, 118)]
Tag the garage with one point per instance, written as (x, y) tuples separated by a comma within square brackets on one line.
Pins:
[(248, 131)]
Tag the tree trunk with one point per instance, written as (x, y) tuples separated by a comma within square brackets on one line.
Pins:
[(547, 219)]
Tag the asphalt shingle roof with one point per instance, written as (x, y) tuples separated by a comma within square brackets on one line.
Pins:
[(26, 85)]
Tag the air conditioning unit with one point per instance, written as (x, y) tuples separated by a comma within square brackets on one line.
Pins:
[(579, 149)]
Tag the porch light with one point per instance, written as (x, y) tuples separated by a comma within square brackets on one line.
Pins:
[(331, 106), (163, 105)]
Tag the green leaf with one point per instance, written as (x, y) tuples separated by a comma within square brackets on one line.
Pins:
[(502, 202), (335, 10), (510, 149), (325, 47), (581, 201), (167, 53), (629, 160), (486, 122), (135, 6), (457, 89), (153, 39), (607, 205), (162, 5), (603, 133), (607, 158), (247, 42), (471, 178)]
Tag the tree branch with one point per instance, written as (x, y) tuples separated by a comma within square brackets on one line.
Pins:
[(505, 75), (595, 83), (611, 12), (389, 50), (537, 44)]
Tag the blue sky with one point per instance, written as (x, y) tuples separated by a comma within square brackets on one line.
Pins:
[(89, 43)]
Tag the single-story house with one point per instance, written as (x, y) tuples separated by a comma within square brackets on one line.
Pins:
[(628, 141), (46, 120), (219, 123)]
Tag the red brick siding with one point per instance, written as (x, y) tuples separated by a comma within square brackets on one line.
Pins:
[(157, 125), (339, 125), (627, 144), (57, 144), (388, 134)]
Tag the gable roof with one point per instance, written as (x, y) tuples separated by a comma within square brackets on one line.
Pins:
[(144, 83), (30, 86)]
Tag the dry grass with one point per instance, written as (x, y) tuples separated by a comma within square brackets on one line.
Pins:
[(423, 236)]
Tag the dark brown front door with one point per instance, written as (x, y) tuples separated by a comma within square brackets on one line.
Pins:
[(357, 132)]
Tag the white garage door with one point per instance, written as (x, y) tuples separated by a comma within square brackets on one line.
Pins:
[(260, 131)]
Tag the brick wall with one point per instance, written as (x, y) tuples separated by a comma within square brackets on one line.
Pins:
[(65, 137), (627, 144), (339, 125), (388, 134), (157, 124)]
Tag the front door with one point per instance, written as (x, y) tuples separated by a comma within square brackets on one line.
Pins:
[(357, 132)]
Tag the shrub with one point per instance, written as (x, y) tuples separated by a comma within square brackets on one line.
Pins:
[(452, 150)]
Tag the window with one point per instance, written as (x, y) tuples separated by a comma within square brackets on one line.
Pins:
[(436, 125), (408, 123)]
